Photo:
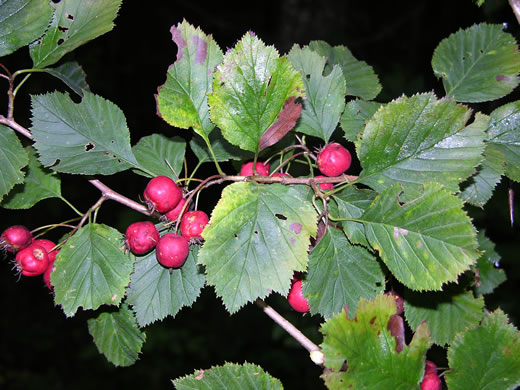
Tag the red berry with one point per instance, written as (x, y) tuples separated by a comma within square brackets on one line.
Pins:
[(334, 159), (174, 213), (430, 368), (261, 169), (431, 382), (172, 250), (325, 186), (15, 238), (162, 194), (296, 299), (193, 223), (48, 245), (47, 275), (141, 237), (281, 174), (32, 260)]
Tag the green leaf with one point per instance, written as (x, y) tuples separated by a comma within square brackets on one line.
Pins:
[(446, 313), (86, 138), (355, 116), (325, 95), (154, 150), (340, 274), (223, 150), (426, 242), (12, 159), (92, 269), (419, 139), (478, 64), (117, 336), (156, 293), (489, 275), (72, 74), (21, 22), (75, 22), (182, 100), (360, 77), (367, 348), (258, 235), (504, 134), (250, 88), (39, 184), (486, 356), (231, 377)]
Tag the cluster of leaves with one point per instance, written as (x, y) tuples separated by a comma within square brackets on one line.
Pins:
[(399, 224)]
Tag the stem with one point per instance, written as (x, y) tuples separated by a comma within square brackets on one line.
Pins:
[(15, 126), (219, 170), (71, 206), (108, 193)]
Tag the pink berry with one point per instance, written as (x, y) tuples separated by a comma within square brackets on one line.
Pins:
[(48, 245), (141, 237), (430, 368), (162, 194), (261, 169), (334, 159), (325, 186), (172, 250), (15, 238), (296, 299), (193, 223), (174, 213), (32, 261), (431, 382)]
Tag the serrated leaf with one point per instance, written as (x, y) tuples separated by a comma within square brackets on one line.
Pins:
[(250, 88), (284, 123), (231, 377), (92, 269), (325, 95), (21, 22), (39, 184), (486, 356), (504, 134), (489, 275), (222, 149), (12, 159), (355, 116), (426, 242), (339, 274), (182, 100), (478, 64), (367, 348), (75, 22), (420, 139), (360, 77), (117, 336), (258, 235), (86, 138), (72, 74), (156, 293), (154, 150), (446, 313)]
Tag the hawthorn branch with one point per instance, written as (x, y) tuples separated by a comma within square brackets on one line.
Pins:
[(109, 193)]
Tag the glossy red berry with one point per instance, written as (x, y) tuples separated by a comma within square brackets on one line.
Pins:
[(430, 368), (261, 169), (174, 213), (48, 245), (431, 382), (47, 275), (141, 237), (193, 223), (32, 261), (334, 160), (15, 238), (296, 299), (172, 250), (325, 186), (162, 194)]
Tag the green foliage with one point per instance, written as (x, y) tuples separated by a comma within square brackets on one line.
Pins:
[(488, 275), (153, 151), (355, 116), (72, 74), (12, 159)]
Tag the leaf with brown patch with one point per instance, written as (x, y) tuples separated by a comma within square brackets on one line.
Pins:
[(285, 122)]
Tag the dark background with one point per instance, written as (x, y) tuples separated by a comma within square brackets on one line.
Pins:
[(40, 348)]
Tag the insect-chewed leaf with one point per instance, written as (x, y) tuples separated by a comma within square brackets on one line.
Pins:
[(182, 100), (155, 151), (426, 242), (258, 235), (12, 159)]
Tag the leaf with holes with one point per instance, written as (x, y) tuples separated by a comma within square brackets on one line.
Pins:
[(75, 22), (250, 88), (12, 159), (478, 64), (373, 356), (92, 269), (426, 242), (86, 138), (72, 74), (155, 292), (258, 235), (340, 274), (154, 151), (117, 336)]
